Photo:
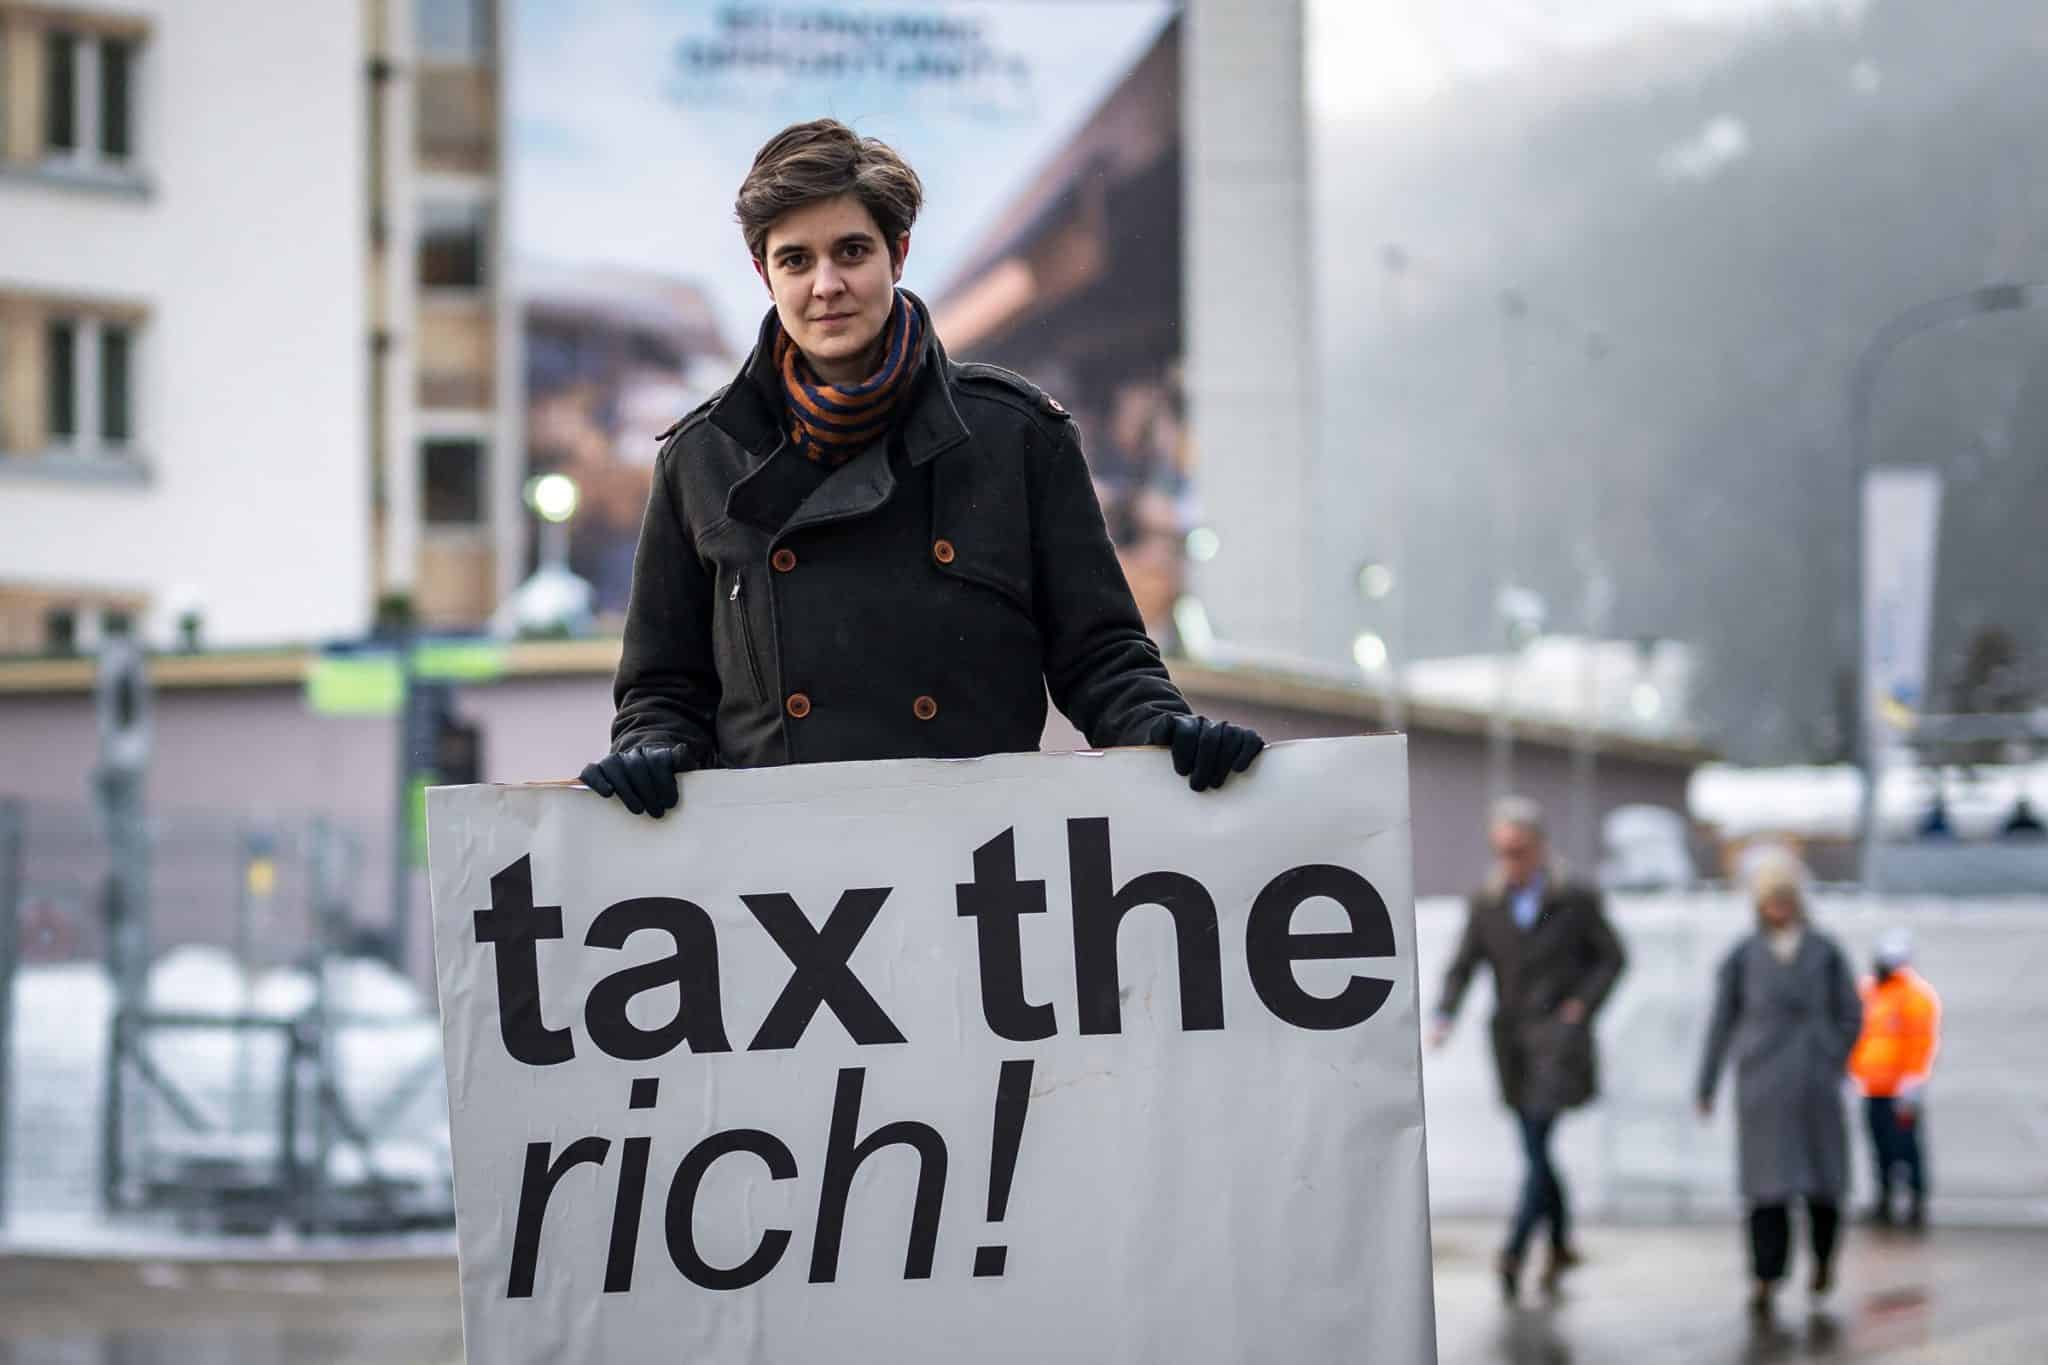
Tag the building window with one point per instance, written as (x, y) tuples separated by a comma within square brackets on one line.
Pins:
[(456, 30), (60, 630), (453, 236), (60, 375), (86, 70), (117, 64), (74, 374), (452, 470), (60, 92), (115, 352)]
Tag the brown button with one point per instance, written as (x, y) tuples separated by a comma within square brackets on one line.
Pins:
[(784, 560), (798, 706), (942, 550), (924, 708)]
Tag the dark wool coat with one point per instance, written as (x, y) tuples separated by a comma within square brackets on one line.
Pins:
[(919, 602), (1570, 953)]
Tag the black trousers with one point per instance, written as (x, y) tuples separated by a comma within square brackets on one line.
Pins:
[(1543, 1199), (1895, 1145), (1770, 1236)]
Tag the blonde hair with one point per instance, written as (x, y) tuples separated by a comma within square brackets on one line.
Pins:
[(1778, 872)]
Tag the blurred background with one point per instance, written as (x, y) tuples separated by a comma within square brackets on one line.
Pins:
[(1642, 404)]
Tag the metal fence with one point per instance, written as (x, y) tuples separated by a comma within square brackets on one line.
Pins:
[(269, 1072)]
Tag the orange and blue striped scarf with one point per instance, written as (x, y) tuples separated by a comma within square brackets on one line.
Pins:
[(831, 424)]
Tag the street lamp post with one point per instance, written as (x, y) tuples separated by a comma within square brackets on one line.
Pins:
[(1597, 606), (1378, 581), (1941, 312), (1521, 615), (1506, 505), (1377, 652)]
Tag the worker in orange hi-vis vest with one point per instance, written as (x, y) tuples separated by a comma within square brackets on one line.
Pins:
[(1891, 1064)]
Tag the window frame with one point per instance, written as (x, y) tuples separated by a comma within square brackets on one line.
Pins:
[(91, 393), (98, 111)]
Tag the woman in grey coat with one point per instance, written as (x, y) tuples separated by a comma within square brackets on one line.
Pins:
[(1786, 1007)]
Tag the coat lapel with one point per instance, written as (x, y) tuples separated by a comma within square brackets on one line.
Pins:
[(854, 489), (931, 425)]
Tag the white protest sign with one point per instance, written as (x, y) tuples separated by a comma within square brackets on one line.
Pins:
[(1023, 1058)]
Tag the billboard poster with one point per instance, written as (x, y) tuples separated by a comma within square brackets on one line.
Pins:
[(1047, 134), (1901, 529)]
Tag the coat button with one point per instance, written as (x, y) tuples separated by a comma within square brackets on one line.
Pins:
[(784, 560), (924, 708), (798, 706), (942, 550)]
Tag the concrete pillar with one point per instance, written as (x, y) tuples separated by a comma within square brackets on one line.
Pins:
[(1249, 313)]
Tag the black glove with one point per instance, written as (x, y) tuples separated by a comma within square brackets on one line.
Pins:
[(644, 779), (1207, 752)]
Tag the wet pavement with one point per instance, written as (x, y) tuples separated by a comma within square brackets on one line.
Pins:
[(1645, 1295), (153, 1312), (1652, 1294)]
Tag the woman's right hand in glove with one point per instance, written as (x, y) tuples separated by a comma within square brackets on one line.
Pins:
[(643, 778)]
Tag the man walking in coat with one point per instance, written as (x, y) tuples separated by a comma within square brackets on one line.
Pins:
[(1891, 1064), (1555, 958)]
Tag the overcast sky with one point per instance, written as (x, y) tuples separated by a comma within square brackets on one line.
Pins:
[(1368, 57)]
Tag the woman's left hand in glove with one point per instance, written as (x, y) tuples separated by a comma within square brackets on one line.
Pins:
[(1207, 752)]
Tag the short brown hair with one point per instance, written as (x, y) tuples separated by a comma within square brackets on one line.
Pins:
[(823, 159)]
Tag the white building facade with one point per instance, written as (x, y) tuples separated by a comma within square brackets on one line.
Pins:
[(183, 357)]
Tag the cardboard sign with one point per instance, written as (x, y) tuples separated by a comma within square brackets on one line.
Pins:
[(1023, 1058)]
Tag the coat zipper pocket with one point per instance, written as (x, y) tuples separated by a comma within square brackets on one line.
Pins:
[(747, 638)]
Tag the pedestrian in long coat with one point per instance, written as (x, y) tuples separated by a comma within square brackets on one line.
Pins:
[(861, 549), (1786, 1009), (1555, 960)]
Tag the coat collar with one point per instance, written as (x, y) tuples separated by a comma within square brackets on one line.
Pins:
[(751, 412), (1503, 899)]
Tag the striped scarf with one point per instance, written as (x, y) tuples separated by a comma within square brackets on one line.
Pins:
[(831, 424)]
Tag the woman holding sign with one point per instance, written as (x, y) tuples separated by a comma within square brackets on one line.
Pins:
[(863, 549)]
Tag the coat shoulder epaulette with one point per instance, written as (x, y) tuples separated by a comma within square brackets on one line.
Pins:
[(997, 381), (692, 417)]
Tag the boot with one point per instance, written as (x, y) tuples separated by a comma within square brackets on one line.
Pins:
[(1509, 1268), (1822, 1284), (1561, 1260)]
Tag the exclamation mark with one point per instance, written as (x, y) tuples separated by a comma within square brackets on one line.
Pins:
[(1013, 1101)]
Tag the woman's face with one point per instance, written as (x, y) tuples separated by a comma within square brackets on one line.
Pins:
[(833, 280), (1778, 910)]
